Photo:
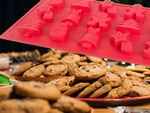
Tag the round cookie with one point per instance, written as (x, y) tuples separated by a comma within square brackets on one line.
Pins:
[(53, 62), (118, 92), (63, 88), (137, 88), (110, 78), (62, 84), (134, 78), (5, 93), (71, 58), (23, 68), (92, 87), (82, 63), (4, 75), (71, 105), (37, 53), (89, 72), (104, 64), (104, 89), (55, 111), (37, 90), (35, 71), (4, 81), (25, 106), (48, 59), (76, 88), (137, 69), (135, 74), (56, 70), (62, 81), (83, 58), (94, 59), (72, 67)]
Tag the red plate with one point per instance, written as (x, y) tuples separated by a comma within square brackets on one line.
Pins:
[(97, 102)]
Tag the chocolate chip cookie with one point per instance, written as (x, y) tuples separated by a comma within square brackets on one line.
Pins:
[(76, 88), (5, 93), (25, 106), (118, 92), (55, 111), (23, 68), (94, 59), (110, 78), (35, 71), (104, 89), (56, 70), (89, 72), (52, 62), (71, 58), (37, 90), (137, 88), (92, 87), (70, 105)]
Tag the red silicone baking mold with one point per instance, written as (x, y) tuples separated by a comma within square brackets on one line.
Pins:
[(103, 29)]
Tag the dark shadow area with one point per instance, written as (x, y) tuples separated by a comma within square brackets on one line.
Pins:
[(11, 11)]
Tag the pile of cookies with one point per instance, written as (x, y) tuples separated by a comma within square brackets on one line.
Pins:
[(57, 64), (139, 71), (36, 97), (22, 56), (109, 84)]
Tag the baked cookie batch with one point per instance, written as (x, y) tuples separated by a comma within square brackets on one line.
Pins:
[(59, 63), (80, 76), (22, 56), (37, 97), (85, 76)]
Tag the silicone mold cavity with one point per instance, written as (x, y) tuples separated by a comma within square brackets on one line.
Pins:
[(101, 20), (46, 13), (74, 17), (59, 33), (120, 40), (108, 7), (130, 26), (136, 12), (117, 38), (83, 5), (57, 4), (32, 28), (126, 47), (146, 52), (90, 39)]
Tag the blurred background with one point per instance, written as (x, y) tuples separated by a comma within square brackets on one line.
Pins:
[(13, 10), (145, 3)]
